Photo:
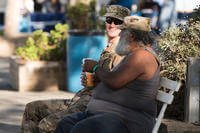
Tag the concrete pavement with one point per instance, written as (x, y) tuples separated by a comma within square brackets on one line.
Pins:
[(12, 103), (4, 74)]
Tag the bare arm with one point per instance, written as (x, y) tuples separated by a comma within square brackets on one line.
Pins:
[(138, 65)]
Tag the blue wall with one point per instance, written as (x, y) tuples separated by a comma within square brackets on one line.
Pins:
[(125, 3), (79, 47)]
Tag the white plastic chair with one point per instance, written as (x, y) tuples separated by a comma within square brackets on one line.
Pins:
[(166, 98)]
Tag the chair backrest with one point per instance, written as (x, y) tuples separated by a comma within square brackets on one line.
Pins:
[(166, 97)]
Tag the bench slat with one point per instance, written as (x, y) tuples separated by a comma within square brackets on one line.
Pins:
[(164, 97), (170, 84)]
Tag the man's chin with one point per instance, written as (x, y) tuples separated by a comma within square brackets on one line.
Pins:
[(113, 33)]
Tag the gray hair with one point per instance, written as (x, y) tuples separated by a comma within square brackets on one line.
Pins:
[(143, 37)]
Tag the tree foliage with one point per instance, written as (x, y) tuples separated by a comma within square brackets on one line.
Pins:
[(177, 44), (82, 16)]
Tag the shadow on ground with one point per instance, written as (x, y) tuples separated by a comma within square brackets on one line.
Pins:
[(5, 74), (9, 128)]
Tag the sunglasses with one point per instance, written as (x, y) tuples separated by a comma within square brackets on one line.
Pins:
[(116, 21)]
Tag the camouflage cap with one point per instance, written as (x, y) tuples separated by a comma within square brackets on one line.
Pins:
[(137, 23), (117, 11)]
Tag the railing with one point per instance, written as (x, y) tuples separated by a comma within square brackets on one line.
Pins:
[(44, 21)]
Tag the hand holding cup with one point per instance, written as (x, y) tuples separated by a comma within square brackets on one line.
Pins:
[(87, 79), (88, 64)]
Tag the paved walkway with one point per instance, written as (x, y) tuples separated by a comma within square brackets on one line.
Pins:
[(4, 74), (12, 103)]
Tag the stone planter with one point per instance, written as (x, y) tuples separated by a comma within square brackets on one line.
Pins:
[(37, 75)]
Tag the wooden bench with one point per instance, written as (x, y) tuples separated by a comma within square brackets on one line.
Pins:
[(165, 96)]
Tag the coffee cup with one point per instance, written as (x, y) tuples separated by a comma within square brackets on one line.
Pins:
[(89, 79)]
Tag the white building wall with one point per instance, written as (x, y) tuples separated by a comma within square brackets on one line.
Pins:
[(186, 5), (3, 5)]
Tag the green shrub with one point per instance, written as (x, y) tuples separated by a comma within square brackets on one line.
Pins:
[(176, 45), (45, 46), (78, 16)]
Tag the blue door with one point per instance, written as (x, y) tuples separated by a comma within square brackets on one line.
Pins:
[(79, 47)]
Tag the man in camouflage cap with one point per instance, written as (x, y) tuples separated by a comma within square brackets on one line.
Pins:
[(117, 11), (44, 115), (136, 23)]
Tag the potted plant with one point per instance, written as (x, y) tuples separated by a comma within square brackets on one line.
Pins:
[(176, 45), (86, 39), (87, 14), (40, 63)]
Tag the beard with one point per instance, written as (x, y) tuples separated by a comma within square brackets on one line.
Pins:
[(123, 47)]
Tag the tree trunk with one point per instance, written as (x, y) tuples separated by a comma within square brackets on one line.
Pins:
[(12, 18)]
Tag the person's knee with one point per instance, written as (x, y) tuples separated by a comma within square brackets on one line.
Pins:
[(61, 127), (32, 104), (67, 123), (31, 107), (47, 124), (90, 125), (43, 125), (81, 127)]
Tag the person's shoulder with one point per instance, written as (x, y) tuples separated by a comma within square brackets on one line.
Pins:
[(140, 56), (139, 53)]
